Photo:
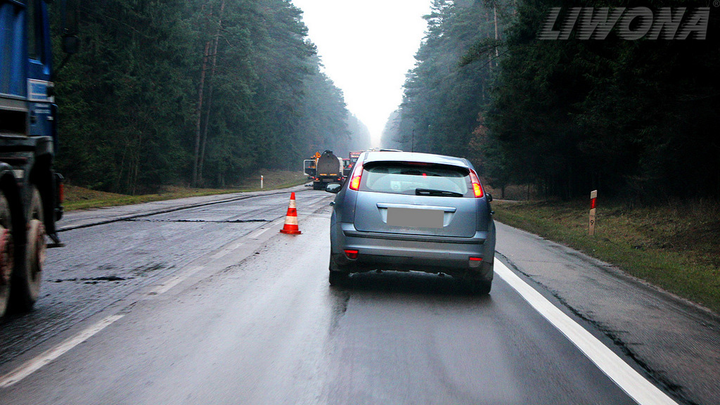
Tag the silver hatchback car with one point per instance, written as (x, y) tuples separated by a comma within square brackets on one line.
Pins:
[(412, 211)]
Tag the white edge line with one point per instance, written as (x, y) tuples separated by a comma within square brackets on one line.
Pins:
[(38, 362), (629, 380)]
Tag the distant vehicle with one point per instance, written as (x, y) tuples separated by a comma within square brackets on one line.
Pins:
[(354, 156), (347, 167), (412, 211), (328, 169), (352, 159)]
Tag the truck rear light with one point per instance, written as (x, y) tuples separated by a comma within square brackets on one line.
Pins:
[(477, 188), (351, 254), (356, 177)]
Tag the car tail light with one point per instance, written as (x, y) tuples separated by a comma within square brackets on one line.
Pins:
[(475, 262), (356, 177), (477, 188), (351, 254)]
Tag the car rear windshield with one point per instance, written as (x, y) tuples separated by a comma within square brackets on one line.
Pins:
[(416, 179)]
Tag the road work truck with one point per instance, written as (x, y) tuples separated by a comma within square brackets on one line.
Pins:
[(30, 190)]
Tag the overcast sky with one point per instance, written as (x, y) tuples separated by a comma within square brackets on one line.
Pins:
[(367, 47)]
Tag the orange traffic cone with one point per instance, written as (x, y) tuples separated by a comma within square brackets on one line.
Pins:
[(291, 221)]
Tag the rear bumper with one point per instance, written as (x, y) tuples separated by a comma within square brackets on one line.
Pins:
[(430, 254), (328, 179)]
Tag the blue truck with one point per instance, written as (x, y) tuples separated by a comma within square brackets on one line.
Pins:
[(30, 189)]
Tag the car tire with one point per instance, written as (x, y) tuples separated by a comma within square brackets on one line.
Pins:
[(338, 278), (480, 287)]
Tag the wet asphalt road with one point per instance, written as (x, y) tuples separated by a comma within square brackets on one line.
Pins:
[(102, 264), (213, 306)]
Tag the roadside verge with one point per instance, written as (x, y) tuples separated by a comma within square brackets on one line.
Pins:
[(673, 246)]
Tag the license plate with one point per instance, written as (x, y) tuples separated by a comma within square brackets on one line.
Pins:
[(414, 218)]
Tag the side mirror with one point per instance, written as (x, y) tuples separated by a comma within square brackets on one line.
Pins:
[(489, 197), (333, 188)]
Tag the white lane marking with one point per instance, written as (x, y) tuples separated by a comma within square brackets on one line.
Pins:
[(226, 251), (265, 228), (257, 233), (630, 381), (35, 364), (173, 281), (220, 254)]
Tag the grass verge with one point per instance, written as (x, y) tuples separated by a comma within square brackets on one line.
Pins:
[(675, 246), (82, 198)]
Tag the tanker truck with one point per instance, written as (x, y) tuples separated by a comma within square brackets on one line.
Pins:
[(328, 169)]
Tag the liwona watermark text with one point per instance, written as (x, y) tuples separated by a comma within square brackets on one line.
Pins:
[(668, 23)]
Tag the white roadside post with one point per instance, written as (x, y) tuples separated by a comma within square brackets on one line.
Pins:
[(593, 200), (261, 181)]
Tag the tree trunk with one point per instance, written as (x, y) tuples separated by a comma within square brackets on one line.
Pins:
[(199, 112), (210, 92), (497, 37)]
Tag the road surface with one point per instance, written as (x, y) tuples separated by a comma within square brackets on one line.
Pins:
[(211, 304)]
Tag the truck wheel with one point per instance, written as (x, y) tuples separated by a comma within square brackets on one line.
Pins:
[(6, 254), (26, 283)]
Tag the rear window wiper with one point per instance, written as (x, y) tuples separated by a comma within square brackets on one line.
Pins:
[(444, 193)]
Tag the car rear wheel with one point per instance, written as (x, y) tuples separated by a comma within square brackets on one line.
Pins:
[(338, 278), (479, 286)]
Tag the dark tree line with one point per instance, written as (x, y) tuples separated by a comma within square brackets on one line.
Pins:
[(635, 119), (442, 100), (196, 92)]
